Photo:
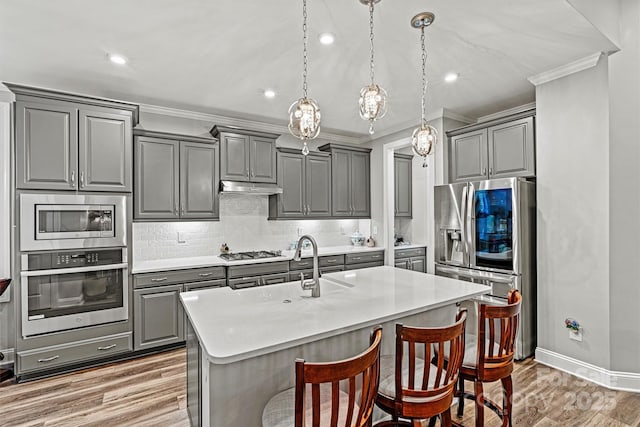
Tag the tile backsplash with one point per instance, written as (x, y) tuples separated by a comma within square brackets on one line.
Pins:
[(243, 226)]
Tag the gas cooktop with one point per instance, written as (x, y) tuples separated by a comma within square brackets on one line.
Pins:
[(240, 256)]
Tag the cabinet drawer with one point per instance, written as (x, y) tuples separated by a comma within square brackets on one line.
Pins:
[(74, 352), (407, 253), (146, 280), (219, 283), (303, 264), (333, 269), (240, 271), (364, 265), (273, 279), (295, 275), (331, 260), (245, 282), (364, 257)]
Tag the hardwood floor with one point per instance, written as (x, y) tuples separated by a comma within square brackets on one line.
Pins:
[(150, 391)]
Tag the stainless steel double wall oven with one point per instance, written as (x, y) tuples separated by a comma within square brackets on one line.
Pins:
[(73, 261)]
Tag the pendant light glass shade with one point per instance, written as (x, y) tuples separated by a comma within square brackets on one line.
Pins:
[(424, 137), (304, 114), (373, 98)]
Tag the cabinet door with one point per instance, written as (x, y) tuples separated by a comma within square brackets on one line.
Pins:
[(291, 169), (46, 146), (156, 186), (104, 148), (418, 264), (402, 263), (403, 170), (234, 157), (341, 183), (198, 180), (262, 165), (360, 183), (318, 186), (511, 149), (158, 317), (469, 156)]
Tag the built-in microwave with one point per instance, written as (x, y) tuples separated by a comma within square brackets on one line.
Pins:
[(69, 221)]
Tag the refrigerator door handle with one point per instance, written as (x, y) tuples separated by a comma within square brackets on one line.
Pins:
[(469, 246), (463, 225)]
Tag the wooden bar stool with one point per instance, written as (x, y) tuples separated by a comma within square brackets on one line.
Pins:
[(318, 400), (489, 358), (414, 388)]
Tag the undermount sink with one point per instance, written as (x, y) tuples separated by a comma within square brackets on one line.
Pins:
[(291, 292)]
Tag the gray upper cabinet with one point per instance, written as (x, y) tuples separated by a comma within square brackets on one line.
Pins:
[(500, 148), (245, 155), (71, 142), (350, 181), (176, 177), (402, 188), (306, 185)]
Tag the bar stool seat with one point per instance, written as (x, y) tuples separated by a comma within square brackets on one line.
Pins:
[(280, 411), (387, 385)]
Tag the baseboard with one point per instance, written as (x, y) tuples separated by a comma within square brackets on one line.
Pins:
[(626, 381)]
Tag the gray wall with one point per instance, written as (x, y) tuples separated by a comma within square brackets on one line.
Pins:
[(624, 161), (573, 213)]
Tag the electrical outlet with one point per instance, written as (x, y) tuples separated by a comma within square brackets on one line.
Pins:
[(182, 238), (575, 335), (342, 230), (375, 230), (299, 231)]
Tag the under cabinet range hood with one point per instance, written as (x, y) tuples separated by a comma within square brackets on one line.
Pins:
[(256, 188)]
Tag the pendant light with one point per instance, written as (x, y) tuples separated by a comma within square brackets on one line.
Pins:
[(373, 98), (424, 136), (304, 114)]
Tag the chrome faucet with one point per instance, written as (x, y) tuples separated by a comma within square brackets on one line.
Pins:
[(314, 283)]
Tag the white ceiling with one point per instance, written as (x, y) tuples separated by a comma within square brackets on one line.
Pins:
[(217, 56)]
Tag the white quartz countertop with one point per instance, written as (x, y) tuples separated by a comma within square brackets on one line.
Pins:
[(234, 325), (150, 266), (411, 246)]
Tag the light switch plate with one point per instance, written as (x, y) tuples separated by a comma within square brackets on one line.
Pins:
[(182, 238), (575, 335), (375, 230)]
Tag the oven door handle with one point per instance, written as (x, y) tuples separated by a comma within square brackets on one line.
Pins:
[(60, 271)]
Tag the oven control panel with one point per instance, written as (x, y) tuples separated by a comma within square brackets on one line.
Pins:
[(72, 259)]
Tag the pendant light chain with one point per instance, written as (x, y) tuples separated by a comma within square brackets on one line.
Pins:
[(424, 76), (371, 63), (304, 44)]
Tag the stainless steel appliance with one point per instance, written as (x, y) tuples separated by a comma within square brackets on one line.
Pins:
[(485, 233), (67, 221), (63, 290)]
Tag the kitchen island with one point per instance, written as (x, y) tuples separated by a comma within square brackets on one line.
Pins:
[(241, 344)]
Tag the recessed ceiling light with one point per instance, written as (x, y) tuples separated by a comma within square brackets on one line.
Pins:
[(269, 93), (118, 59), (326, 38), (451, 77)]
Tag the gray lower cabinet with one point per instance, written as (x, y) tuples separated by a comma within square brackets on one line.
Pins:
[(159, 316), (251, 275), (350, 181), (64, 145), (176, 177), (306, 185), (402, 185), (411, 259), (246, 155), (354, 261), (500, 148)]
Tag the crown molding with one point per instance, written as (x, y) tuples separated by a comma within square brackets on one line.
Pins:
[(249, 124), (510, 111), (446, 113), (566, 70)]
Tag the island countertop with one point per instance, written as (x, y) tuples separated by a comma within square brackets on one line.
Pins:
[(233, 325)]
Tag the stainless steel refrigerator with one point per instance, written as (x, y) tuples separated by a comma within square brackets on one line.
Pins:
[(485, 233)]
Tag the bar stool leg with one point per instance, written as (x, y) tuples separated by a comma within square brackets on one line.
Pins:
[(507, 402), (477, 385), (445, 418), (432, 422), (461, 398)]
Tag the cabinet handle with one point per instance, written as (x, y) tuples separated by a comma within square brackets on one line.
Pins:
[(175, 209), (253, 174), (73, 178), (182, 208), (159, 279), (356, 258), (81, 179), (484, 171), (490, 171), (331, 261), (205, 274), (107, 347), (375, 256), (48, 359), (246, 172)]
